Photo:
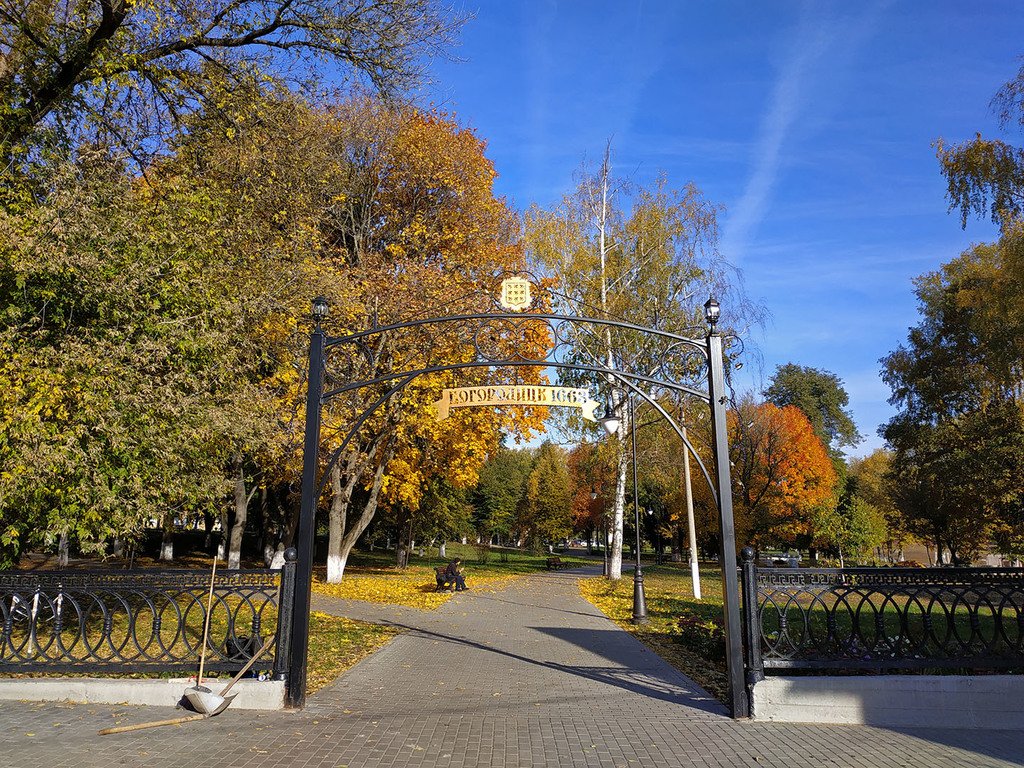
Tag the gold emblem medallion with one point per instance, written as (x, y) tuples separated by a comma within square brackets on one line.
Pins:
[(515, 294)]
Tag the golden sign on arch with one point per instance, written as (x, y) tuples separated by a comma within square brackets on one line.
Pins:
[(519, 394)]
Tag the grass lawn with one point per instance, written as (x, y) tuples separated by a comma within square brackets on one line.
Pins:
[(373, 576), (337, 643), (689, 645)]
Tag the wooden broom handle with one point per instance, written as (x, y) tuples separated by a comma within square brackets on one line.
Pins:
[(153, 724), (206, 624)]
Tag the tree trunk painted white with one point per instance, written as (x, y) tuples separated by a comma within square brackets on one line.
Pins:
[(618, 506), (690, 525), (351, 536), (442, 549), (167, 542), (277, 561), (241, 500), (63, 545), (604, 251), (336, 529), (222, 545)]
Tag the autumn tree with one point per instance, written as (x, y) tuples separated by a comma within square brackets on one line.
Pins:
[(646, 255), (985, 176), (419, 232), (133, 71), (783, 480), (131, 370), (958, 438), (547, 513)]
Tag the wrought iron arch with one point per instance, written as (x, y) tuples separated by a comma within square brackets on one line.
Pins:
[(363, 371)]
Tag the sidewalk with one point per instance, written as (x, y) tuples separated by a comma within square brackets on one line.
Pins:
[(531, 675)]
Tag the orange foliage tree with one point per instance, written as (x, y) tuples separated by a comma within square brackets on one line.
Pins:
[(420, 233), (783, 479)]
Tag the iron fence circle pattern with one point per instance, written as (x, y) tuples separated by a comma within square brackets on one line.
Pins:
[(134, 621), (890, 618)]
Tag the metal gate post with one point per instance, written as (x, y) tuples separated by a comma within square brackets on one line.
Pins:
[(285, 614), (751, 623), (307, 515), (738, 701)]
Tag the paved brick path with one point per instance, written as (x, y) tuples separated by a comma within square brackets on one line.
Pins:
[(530, 675)]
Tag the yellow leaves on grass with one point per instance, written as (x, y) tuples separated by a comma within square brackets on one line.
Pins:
[(414, 589), (609, 596)]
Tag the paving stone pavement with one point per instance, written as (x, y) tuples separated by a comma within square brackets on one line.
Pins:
[(527, 675)]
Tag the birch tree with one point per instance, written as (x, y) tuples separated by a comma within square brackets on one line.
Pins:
[(645, 255)]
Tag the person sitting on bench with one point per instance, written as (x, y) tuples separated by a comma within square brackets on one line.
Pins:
[(454, 574)]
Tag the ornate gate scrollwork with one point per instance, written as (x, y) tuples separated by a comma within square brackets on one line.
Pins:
[(503, 338)]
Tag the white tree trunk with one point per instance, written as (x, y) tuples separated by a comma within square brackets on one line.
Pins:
[(336, 529), (618, 509), (167, 543), (605, 248), (351, 536), (442, 549), (241, 512)]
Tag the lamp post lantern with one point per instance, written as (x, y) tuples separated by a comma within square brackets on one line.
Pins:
[(611, 423), (639, 600)]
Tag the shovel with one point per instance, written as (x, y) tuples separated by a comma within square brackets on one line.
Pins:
[(206, 702), (203, 700)]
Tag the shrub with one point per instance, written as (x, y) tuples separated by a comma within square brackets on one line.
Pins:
[(703, 636), (483, 552)]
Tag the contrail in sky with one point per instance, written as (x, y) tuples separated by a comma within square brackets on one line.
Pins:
[(783, 109)]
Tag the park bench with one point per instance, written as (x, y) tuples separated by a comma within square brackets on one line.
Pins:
[(443, 582), (555, 562)]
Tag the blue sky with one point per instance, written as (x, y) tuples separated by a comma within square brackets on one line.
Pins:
[(812, 123)]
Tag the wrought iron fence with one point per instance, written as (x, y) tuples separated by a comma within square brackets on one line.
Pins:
[(882, 618), (143, 621)]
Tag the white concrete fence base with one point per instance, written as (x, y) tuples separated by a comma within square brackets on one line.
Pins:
[(910, 701), (252, 693)]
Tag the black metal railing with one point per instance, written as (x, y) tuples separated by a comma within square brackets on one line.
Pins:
[(144, 621), (896, 619)]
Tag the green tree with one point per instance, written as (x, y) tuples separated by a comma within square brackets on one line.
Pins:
[(500, 492), (821, 397), (854, 530), (134, 70), (985, 176), (131, 376), (547, 513), (869, 481)]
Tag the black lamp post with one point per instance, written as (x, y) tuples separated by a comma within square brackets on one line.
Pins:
[(305, 534), (611, 425)]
